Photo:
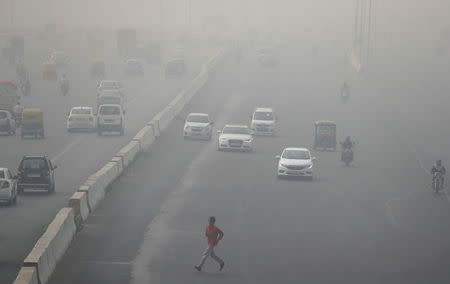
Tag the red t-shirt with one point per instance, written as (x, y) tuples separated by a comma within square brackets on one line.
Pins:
[(214, 234)]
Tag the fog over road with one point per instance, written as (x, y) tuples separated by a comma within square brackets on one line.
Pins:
[(376, 222), (78, 155)]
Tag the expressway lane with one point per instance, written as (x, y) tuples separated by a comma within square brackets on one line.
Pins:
[(78, 155), (372, 223)]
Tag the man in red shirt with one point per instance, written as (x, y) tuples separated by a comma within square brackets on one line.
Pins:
[(214, 235)]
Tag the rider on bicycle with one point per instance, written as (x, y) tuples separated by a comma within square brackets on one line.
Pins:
[(438, 168)]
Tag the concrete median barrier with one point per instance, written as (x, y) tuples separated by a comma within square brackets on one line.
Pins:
[(145, 138), (78, 202), (164, 118), (154, 124), (129, 152), (52, 244), (179, 102), (27, 275)]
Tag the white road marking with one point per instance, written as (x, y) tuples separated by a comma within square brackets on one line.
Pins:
[(67, 148)]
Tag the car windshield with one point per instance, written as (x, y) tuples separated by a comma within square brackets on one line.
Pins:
[(109, 110), (110, 85), (3, 115), (296, 155), (263, 115), (236, 130), (81, 111), (198, 118), (34, 164), (2, 174)]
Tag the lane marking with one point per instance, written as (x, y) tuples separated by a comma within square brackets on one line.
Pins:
[(67, 148)]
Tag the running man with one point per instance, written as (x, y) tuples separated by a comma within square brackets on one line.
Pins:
[(214, 235)]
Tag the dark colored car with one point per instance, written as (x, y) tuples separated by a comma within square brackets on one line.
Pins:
[(36, 173)]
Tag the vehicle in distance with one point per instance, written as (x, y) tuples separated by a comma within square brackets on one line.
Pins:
[(235, 137), (8, 187), (266, 57), (110, 118), (263, 121), (111, 97), (81, 118), (109, 85), (198, 125), (8, 95), (134, 67), (295, 162), (36, 173), (7, 122), (60, 58), (175, 68)]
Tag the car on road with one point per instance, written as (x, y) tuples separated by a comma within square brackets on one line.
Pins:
[(266, 57), (295, 162), (175, 68), (263, 121), (109, 85), (235, 137), (198, 125), (81, 118), (36, 173), (7, 122), (111, 96), (134, 67), (8, 186), (110, 117), (60, 58)]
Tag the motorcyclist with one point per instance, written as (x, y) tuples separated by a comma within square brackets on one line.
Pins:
[(64, 84), (18, 109), (348, 143), (438, 168)]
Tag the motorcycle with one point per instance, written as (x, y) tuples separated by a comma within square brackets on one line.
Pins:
[(438, 181), (64, 88), (347, 156)]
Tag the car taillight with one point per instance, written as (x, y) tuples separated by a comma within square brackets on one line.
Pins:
[(5, 184), (47, 175), (19, 175)]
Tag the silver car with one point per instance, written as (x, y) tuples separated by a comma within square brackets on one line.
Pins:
[(7, 122), (8, 187)]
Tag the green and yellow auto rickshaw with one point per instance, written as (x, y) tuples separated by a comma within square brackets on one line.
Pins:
[(32, 123), (325, 135), (49, 71)]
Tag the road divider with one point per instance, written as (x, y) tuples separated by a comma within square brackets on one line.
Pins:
[(41, 261), (52, 245), (27, 275)]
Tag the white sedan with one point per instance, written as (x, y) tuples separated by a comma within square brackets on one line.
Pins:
[(8, 186), (235, 137), (81, 118), (198, 125), (295, 162)]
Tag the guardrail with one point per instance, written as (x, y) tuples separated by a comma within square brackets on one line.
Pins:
[(51, 246)]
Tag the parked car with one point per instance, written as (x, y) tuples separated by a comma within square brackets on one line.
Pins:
[(36, 173), (8, 186)]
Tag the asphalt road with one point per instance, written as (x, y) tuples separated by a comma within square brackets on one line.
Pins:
[(78, 155), (375, 222)]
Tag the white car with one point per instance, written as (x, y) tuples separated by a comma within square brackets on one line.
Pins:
[(110, 118), (109, 85), (235, 137), (263, 121), (111, 96), (295, 162), (198, 125), (8, 186), (81, 118)]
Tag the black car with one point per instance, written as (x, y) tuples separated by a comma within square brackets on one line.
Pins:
[(36, 173)]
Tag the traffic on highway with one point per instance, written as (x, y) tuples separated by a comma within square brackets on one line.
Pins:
[(207, 144)]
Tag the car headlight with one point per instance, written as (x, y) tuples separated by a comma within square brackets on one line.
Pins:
[(310, 166), (186, 127), (283, 165), (248, 140), (223, 139)]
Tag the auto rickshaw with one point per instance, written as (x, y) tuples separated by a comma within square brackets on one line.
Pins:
[(325, 135), (98, 68), (32, 123), (49, 71)]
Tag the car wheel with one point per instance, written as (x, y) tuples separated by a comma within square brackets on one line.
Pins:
[(15, 199), (9, 202), (122, 131), (51, 189), (19, 190)]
